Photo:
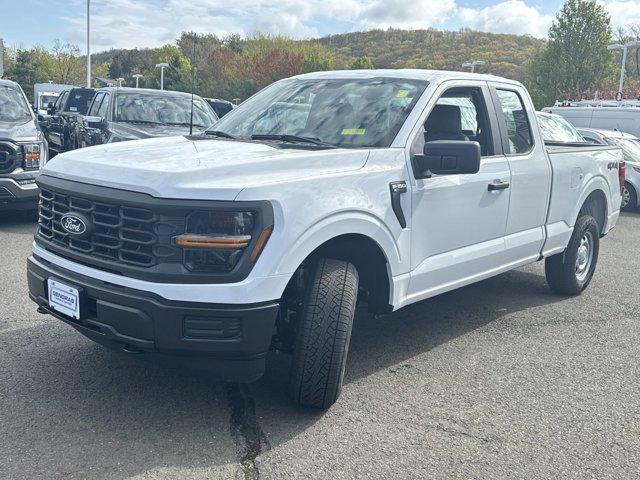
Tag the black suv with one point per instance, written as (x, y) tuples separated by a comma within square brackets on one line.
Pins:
[(60, 128)]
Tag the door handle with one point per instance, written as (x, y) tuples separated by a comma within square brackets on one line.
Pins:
[(498, 185)]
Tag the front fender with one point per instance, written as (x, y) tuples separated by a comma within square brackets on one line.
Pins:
[(344, 223)]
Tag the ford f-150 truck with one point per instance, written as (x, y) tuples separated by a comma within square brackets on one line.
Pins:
[(385, 186), (23, 150)]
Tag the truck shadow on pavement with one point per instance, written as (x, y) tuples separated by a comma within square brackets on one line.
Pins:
[(75, 410)]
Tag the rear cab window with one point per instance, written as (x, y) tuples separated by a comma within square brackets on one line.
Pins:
[(518, 129), (79, 101)]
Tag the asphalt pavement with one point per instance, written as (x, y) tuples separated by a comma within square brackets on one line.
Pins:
[(498, 380)]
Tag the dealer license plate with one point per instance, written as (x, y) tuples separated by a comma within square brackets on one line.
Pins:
[(64, 298)]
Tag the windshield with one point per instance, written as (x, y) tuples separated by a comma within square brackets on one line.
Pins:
[(13, 106), (164, 109), (45, 100), (557, 129), (630, 148), (79, 101), (339, 112)]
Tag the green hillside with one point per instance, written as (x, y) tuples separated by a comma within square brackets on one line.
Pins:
[(506, 55)]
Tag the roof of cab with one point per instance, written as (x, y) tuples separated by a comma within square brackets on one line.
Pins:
[(6, 81), (414, 74), (141, 91)]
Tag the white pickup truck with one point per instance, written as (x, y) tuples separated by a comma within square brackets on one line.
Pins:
[(387, 187)]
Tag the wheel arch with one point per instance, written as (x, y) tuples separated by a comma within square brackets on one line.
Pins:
[(359, 239)]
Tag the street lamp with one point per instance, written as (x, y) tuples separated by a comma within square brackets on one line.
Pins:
[(137, 76), (624, 48), (88, 48), (119, 80), (162, 66), (474, 64)]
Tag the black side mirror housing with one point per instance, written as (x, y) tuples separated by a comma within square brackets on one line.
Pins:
[(51, 109), (94, 122), (447, 157)]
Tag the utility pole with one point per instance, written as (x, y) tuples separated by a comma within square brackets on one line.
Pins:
[(162, 66), (88, 47), (1, 58)]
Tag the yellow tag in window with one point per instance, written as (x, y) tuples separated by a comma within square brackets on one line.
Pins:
[(353, 131)]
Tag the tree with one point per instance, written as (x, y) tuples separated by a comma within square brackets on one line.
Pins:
[(361, 63), (67, 66), (575, 58)]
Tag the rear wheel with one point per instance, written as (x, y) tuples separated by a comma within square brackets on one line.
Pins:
[(629, 198), (570, 272), (323, 334)]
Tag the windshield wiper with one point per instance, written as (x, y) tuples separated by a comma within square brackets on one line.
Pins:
[(292, 139), (149, 122), (220, 133)]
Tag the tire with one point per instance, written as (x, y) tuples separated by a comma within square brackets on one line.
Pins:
[(629, 198), (323, 334), (570, 272)]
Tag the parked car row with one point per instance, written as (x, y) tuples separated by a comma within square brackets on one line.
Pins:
[(84, 117), (320, 191)]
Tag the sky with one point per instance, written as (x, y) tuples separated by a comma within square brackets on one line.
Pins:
[(151, 23)]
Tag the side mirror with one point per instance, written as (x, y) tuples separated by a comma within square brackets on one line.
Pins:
[(51, 109), (94, 122), (447, 157)]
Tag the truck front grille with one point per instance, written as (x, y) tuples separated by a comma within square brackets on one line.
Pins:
[(120, 234), (10, 157)]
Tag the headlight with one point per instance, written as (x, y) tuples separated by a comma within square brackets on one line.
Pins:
[(34, 156), (214, 242)]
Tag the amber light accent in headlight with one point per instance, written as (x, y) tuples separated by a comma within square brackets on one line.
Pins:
[(213, 241), (262, 241)]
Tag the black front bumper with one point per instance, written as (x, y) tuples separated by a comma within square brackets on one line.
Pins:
[(229, 341)]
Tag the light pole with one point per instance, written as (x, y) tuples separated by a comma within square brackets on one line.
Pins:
[(1, 58), (625, 48), (137, 76), (162, 66), (474, 64), (119, 80), (88, 47)]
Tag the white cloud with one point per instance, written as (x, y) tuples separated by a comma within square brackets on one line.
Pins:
[(512, 16), (623, 12), (150, 23)]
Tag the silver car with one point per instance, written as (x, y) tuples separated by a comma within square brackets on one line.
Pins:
[(630, 145)]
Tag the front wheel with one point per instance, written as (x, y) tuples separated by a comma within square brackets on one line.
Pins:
[(323, 334), (629, 198), (570, 272)]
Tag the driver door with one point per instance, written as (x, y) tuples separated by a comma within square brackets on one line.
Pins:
[(459, 221)]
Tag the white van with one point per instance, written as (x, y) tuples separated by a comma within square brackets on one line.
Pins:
[(624, 117)]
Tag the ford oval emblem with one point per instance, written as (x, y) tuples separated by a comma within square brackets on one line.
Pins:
[(73, 224)]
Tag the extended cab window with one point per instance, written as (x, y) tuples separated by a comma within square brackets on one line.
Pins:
[(93, 111), (518, 128), (104, 107), (459, 114)]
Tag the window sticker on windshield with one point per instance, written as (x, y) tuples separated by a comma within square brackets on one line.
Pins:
[(73, 109), (353, 131), (402, 93)]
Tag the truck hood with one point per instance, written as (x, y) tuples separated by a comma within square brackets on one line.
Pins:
[(197, 168), (19, 131)]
